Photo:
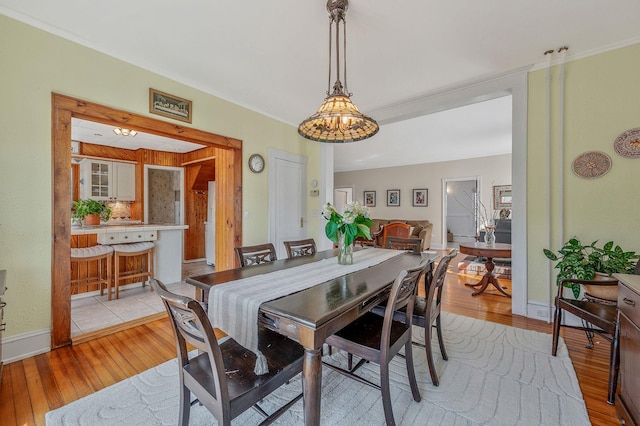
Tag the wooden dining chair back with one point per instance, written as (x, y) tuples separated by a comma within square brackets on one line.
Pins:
[(395, 229), (305, 247), (597, 318), (255, 255), (221, 375), (427, 312), (378, 339), (409, 244)]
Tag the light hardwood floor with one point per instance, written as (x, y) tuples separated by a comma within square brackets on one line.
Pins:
[(35, 385)]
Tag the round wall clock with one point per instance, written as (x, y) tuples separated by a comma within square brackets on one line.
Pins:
[(591, 164), (256, 163)]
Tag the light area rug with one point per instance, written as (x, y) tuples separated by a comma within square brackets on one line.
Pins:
[(495, 375)]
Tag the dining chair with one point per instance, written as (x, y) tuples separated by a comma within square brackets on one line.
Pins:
[(221, 375), (409, 244), (596, 317), (427, 312), (394, 229), (255, 255), (305, 247), (378, 339)]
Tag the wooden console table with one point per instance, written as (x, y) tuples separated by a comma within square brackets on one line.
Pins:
[(490, 251), (628, 404)]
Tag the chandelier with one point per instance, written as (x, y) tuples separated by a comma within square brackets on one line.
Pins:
[(338, 119)]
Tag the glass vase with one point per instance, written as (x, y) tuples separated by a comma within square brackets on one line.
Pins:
[(345, 251), (490, 234)]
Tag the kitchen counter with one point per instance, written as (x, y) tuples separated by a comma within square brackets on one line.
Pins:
[(167, 238), (106, 229)]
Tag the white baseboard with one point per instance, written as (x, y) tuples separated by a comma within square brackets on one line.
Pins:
[(25, 345), (539, 310)]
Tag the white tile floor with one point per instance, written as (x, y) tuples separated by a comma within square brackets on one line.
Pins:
[(93, 313)]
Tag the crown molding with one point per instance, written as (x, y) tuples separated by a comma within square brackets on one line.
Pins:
[(592, 52)]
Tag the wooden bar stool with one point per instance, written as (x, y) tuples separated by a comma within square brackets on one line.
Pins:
[(143, 269), (102, 277)]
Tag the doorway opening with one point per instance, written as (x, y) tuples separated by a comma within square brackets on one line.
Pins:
[(164, 195), (226, 151), (341, 196), (460, 221)]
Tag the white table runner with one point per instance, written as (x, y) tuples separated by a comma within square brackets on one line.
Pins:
[(234, 306)]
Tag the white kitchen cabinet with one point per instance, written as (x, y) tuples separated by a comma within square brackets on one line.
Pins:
[(107, 180)]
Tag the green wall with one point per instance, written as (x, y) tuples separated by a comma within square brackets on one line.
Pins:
[(602, 100), (36, 63)]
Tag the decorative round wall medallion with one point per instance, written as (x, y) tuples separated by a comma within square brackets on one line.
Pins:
[(628, 143), (591, 164)]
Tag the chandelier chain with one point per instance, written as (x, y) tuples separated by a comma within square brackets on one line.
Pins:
[(344, 38), (330, 55)]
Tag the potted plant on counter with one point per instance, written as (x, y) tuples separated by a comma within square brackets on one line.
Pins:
[(91, 212), (590, 262)]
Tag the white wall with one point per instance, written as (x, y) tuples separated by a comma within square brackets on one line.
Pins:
[(495, 170)]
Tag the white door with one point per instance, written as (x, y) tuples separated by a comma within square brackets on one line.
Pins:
[(287, 200)]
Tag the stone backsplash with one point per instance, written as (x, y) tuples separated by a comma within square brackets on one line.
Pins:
[(120, 210)]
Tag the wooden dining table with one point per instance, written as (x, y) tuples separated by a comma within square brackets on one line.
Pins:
[(311, 315)]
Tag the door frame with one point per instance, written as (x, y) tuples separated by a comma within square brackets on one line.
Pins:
[(514, 82), (180, 170), (444, 201), (228, 153)]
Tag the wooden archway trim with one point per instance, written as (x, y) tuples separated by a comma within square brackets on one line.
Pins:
[(228, 154)]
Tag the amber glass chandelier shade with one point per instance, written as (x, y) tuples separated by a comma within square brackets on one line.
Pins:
[(338, 120)]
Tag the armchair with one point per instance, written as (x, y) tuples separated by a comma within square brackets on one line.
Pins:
[(393, 229), (419, 229)]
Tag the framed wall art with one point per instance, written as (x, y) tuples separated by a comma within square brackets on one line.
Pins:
[(420, 197), (393, 197), (502, 197), (369, 198), (170, 106)]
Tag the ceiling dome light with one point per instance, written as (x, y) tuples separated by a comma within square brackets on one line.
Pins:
[(338, 120)]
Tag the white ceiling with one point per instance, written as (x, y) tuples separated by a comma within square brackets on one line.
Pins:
[(102, 134), (272, 56)]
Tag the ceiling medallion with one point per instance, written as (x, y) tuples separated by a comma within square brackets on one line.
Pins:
[(627, 144), (338, 120), (591, 164)]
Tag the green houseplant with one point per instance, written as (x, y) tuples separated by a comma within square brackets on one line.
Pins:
[(84, 209), (583, 262)]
